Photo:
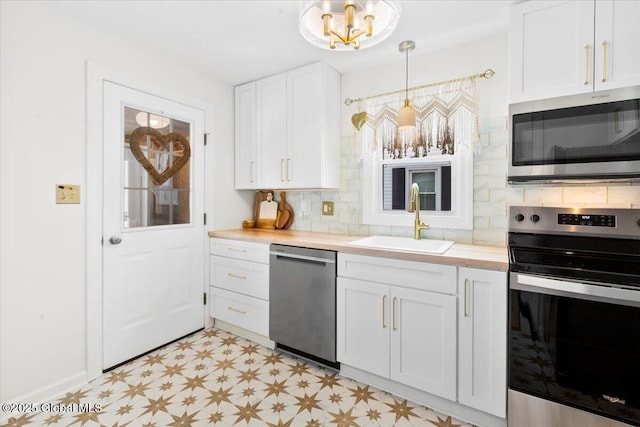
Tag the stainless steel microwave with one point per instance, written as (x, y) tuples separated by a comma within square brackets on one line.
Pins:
[(593, 136)]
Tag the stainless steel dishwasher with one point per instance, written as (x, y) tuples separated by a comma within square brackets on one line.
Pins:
[(302, 301)]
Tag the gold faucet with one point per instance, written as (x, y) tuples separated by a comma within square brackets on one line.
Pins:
[(414, 204)]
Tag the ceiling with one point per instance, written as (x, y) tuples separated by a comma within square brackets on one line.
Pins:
[(241, 40)]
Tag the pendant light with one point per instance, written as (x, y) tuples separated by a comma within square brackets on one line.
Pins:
[(407, 114)]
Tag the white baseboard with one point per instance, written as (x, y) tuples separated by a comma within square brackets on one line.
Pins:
[(437, 403), (244, 333), (46, 393)]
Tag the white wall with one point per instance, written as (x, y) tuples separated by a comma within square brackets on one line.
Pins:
[(43, 142)]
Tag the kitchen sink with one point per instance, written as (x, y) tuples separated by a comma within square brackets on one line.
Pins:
[(404, 244)]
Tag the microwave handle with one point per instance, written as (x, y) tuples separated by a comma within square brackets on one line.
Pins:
[(570, 289)]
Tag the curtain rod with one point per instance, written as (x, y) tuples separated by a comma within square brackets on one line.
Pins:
[(487, 75)]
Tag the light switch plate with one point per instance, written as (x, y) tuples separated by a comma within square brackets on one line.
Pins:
[(67, 194), (327, 208)]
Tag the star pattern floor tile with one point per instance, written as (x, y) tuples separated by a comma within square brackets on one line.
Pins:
[(213, 378)]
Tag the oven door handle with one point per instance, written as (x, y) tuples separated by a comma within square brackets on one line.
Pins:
[(565, 288)]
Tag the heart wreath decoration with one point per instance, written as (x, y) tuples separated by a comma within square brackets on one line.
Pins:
[(358, 119), (159, 141)]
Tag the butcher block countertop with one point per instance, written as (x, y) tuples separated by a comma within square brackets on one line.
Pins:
[(464, 255)]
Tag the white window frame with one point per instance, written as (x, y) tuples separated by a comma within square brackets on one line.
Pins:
[(461, 214)]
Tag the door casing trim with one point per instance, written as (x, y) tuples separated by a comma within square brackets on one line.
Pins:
[(96, 74)]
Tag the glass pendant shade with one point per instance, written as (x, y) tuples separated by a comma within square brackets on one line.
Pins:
[(406, 117)]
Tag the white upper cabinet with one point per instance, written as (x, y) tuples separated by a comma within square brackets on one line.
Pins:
[(617, 44), (562, 48), (272, 131), (246, 132), (297, 130)]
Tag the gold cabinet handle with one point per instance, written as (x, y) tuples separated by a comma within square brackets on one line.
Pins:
[(466, 313), (586, 64), (384, 303), (604, 61), (236, 310), (288, 160), (281, 166), (251, 171), (393, 313), (237, 250), (235, 276)]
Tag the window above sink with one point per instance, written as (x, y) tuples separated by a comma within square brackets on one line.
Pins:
[(446, 190)]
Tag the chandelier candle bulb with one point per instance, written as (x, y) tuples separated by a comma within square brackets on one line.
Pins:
[(369, 20), (326, 23), (349, 9)]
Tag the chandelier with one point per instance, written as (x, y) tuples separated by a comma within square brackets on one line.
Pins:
[(344, 24)]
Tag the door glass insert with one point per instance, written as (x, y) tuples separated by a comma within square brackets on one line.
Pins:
[(156, 170)]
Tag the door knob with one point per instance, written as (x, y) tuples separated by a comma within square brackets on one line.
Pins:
[(115, 240)]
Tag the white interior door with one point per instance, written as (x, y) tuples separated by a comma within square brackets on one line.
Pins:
[(153, 231)]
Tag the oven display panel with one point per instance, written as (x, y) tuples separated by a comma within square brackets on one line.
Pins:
[(588, 220)]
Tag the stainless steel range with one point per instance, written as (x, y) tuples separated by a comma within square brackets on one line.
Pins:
[(574, 324)]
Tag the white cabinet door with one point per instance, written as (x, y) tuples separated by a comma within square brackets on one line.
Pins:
[(245, 144), (363, 325), (305, 133), (482, 340), (617, 64), (423, 341), (272, 130), (551, 49)]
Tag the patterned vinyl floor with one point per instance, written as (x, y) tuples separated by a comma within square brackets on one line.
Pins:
[(213, 378)]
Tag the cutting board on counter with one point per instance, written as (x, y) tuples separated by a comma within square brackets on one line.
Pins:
[(284, 217)]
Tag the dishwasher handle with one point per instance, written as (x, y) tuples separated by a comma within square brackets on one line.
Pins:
[(312, 259)]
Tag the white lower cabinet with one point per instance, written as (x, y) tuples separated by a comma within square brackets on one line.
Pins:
[(406, 335), (423, 345), (482, 340), (437, 328), (239, 284)]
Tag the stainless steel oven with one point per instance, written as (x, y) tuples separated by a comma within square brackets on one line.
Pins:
[(574, 324), (593, 136)]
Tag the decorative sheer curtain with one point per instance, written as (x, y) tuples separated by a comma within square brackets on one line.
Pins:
[(446, 117)]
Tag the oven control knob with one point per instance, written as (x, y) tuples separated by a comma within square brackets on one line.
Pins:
[(520, 218), (534, 218)]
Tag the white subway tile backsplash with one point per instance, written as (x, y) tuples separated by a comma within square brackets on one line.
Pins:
[(584, 196), (481, 195), (481, 223), (481, 166), (626, 195), (538, 196), (489, 237), (460, 236), (320, 227)]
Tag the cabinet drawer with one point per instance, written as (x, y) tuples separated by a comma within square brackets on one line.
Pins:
[(409, 274), (239, 249), (240, 310), (248, 278)]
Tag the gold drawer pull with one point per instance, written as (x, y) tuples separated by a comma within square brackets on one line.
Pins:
[(235, 276), (384, 303), (236, 310), (586, 65), (604, 61), (466, 313), (393, 315), (237, 250)]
